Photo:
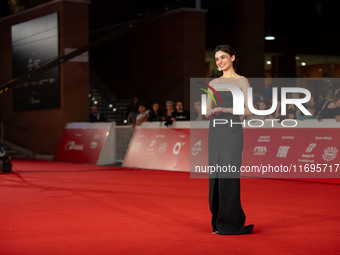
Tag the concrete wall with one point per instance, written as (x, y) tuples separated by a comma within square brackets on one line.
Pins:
[(155, 62), (46, 126)]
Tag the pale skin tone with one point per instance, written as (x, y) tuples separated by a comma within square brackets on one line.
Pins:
[(179, 107), (169, 109), (225, 62), (197, 106)]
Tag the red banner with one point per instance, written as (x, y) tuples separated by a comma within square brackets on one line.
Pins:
[(159, 148), (287, 146), (304, 150), (81, 144)]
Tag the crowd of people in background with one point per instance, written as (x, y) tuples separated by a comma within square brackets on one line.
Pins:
[(325, 106), (174, 111)]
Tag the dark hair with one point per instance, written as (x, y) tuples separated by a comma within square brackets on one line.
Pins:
[(141, 104), (227, 49), (327, 92), (337, 94)]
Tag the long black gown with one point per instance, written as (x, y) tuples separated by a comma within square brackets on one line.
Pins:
[(225, 149)]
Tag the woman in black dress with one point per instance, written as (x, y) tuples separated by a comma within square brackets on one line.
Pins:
[(225, 149)]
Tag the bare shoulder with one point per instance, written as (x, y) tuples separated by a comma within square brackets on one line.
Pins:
[(213, 82), (242, 82)]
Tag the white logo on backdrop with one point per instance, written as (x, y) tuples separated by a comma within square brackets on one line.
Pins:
[(196, 148), (96, 136), (282, 152), (177, 148), (330, 153), (71, 145), (162, 147), (310, 147), (137, 146), (93, 145), (152, 143), (260, 150)]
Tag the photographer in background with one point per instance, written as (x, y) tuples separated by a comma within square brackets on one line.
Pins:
[(95, 115), (180, 113), (143, 114), (5, 161), (169, 115), (328, 105)]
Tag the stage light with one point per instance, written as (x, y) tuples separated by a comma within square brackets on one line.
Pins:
[(110, 105), (269, 62), (303, 63), (269, 37)]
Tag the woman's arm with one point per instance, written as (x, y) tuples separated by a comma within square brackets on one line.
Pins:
[(221, 110), (244, 85)]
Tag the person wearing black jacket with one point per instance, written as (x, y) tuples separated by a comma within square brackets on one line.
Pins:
[(180, 113), (95, 115)]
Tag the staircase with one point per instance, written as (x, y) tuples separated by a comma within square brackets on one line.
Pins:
[(14, 152), (112, 108), (17, 152)]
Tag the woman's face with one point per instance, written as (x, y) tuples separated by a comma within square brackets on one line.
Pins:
[(169, 107), (197, 106), (155, 107), (141, 108), (223, 60), (179, 106), (262, 106)]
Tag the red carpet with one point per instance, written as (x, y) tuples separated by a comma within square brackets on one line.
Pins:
[(58, 208)]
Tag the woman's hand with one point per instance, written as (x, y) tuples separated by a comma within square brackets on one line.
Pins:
[(218, 110), (209, 113)]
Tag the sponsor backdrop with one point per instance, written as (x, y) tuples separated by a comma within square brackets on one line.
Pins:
[(299, 150), (159, 148), (90, 143), (35, 43)]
